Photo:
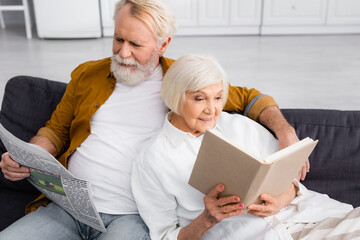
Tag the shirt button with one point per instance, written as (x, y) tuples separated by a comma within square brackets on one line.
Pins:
[(70, 151), (87, 130), (112, 86), (96, 106)]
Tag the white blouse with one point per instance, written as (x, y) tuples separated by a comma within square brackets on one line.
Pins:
[(167, 203)]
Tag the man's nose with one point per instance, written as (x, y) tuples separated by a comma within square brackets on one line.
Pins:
[(125, 51)]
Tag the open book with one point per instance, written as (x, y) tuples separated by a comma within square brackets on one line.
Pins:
[(243, 173)]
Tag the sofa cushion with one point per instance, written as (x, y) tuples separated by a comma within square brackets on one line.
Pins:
[(27, 104), (335, 162)]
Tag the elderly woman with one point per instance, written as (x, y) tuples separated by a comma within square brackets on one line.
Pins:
[(195, 89)]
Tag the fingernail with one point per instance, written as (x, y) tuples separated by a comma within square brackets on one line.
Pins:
[(250, 207), (241, 205), (221, 186), (237, 199)]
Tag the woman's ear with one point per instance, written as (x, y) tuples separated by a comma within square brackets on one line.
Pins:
[(164, 46)]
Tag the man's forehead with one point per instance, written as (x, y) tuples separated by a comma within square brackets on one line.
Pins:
[(132, 11)]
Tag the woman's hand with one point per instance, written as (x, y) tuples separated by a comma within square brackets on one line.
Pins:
[(216, 209), (272, 205)]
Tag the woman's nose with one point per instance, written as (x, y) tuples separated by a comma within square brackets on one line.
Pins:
[(210, 107)]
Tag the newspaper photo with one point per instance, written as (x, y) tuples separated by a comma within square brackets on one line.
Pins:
[(54, 180)]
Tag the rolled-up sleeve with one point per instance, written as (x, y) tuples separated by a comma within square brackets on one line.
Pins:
[(249, 101)]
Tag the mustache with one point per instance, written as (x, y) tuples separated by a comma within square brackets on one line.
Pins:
[(125, 61)]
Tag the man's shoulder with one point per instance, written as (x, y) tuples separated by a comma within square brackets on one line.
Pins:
[(166, 63), (95, 65), (101, 66)]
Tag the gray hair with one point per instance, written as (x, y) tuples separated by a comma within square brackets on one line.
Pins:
[(191, 73), (164, 20)]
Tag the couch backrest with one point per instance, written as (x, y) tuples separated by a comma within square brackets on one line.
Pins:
[(27, 104), (335, 162)]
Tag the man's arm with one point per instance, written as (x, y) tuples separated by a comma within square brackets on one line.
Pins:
[(264, 109), (45, 143), (249, 102), (272, 118)]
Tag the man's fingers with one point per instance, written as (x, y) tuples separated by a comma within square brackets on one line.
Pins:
[(307, 162), (6, 161), (16, 176), (304, 172), (12, 170)]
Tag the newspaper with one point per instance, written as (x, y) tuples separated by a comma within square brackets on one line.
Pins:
[(54, 180)]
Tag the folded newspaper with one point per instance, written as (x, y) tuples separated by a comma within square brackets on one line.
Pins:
[(54, 180)]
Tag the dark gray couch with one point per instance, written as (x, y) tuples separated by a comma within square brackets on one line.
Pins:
[(335, 164)]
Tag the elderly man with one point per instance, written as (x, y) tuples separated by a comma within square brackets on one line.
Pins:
[(110, 108)]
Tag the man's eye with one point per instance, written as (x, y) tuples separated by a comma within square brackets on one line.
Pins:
[(119, 40), (135, 44)]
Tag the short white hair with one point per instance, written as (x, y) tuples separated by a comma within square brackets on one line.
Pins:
[(190, 73), (164, 20)]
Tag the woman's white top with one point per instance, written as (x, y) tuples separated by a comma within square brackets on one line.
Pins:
[(167, 203)]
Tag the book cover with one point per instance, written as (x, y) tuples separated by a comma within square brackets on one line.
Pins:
[(244, 174)]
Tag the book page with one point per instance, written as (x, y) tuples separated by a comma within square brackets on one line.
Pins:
[(287, 150)]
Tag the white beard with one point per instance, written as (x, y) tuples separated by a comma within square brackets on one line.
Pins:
[(128, 76)]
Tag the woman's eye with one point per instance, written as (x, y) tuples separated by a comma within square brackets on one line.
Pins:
[(219, 98), (198, 99)]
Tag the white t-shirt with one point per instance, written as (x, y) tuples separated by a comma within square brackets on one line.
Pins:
[(119, 130), (167, 202)]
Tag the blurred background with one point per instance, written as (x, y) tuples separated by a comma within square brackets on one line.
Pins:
[(304, 53)]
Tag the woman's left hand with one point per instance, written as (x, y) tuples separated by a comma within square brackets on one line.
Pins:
[(272, 205)]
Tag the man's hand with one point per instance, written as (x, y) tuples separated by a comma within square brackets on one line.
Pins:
[(272, 118), (12, 170), (287, 137)]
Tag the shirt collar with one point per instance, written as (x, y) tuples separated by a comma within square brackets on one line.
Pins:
[(176, 136)]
